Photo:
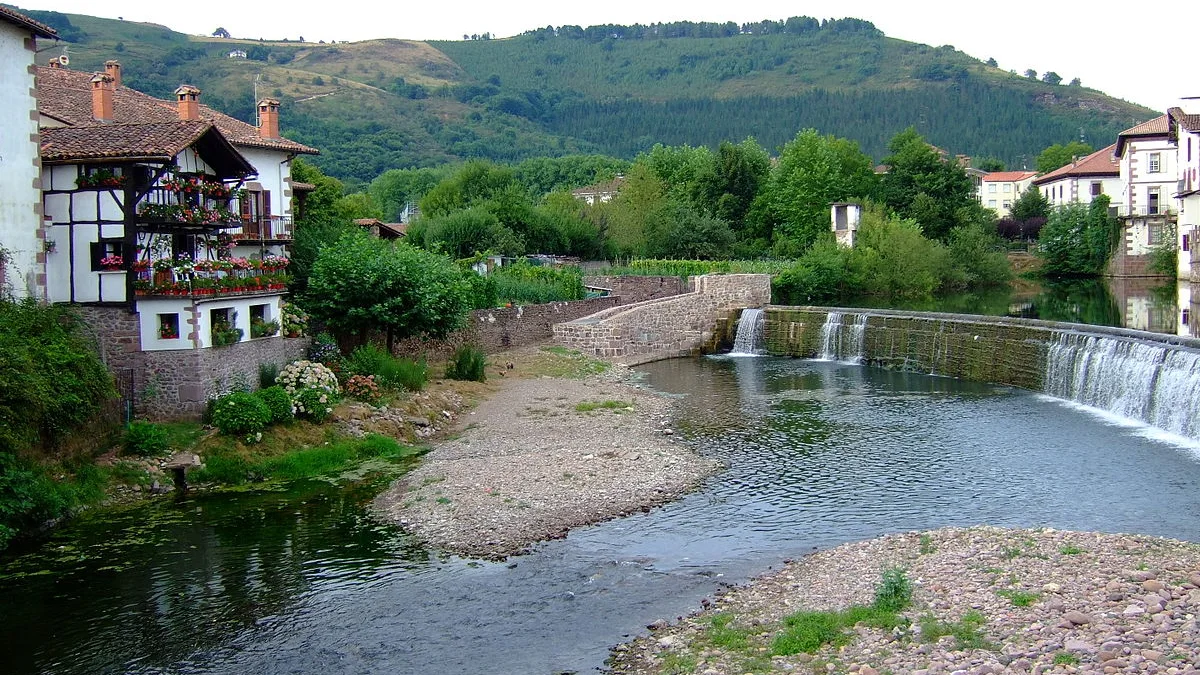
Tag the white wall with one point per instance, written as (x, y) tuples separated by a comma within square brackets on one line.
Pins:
[(274, 174), (19, 197), (1136, 179), (149, 309)]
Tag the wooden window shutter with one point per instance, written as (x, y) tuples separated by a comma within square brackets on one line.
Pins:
[(97, 252), (266, 203)]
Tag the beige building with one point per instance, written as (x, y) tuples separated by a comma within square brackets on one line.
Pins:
[(999, 189)]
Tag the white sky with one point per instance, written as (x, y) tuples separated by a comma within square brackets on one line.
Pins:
[(1088, 40)]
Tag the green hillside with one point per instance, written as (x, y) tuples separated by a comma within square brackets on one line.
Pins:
[(380, 104)]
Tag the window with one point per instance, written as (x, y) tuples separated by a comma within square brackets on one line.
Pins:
[(1152, 201), (1156, 234), (1155, 162), (991, 203), (168, 326), (840, 220), (1185, 316), (991, 187), (1187, 242), (104, 252), (1007, 204), (1008, 187), (1097, 188)]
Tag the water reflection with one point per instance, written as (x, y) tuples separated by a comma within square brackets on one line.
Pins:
[(1138, 303)]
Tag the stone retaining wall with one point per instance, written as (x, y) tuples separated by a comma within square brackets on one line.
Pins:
[(665, 327), (638, 289), (1001, 350)]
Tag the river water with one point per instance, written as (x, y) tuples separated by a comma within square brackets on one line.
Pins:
[(303, 580)]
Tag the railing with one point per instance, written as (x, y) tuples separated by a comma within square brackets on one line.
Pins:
[(168, 207), (204, 284), (1143, 211), (265, 229)]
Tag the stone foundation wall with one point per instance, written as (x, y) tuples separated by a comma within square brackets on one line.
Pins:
[(1001, 350), (639, 289), (665, 327), (176, 384)]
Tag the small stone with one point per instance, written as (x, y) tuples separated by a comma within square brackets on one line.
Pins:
[(1153, 655), (1055, 604), (1153, 585), (1051, 588), (1142, 575), (1106, 655), (667, 642), (1194, 580), (1133, 610), (1077, 618), (1078, 646), (867, 670)]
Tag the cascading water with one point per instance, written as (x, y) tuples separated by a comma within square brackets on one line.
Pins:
[(748, 340), (836, 333), (1151, 383)]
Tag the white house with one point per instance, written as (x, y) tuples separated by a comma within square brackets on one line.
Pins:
[(1147, 158), (999, 189), (1083, 180), (844, 218), (600, 192), (1184, 130), (22, 239)]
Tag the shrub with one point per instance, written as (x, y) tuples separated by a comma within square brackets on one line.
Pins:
[(300, 375), (468, 363), (324, 350), (240, 414), (278, 402), (267, 372), (404, 374), (894, 591), (367, 359), (295, 320), (145, 439), (316, 404), (363, 388)]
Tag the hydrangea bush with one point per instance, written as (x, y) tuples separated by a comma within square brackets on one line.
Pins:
[(363, 388), (300, 375)]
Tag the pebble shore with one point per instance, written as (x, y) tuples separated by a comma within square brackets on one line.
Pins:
[(1043, 601)]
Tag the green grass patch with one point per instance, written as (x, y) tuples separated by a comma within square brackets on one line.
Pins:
[(568, 363), (228, 466), (617, 406), (1010, 552), (129, 473), (1065, 659), (1020, 598), (678, 664), (927, 546), (1070, 550), (722, 634), (807, 631), (967, 631)]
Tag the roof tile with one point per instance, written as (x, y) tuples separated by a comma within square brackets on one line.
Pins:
[(18, 19), (1100, 163)]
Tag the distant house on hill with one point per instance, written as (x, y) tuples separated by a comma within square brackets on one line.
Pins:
[(600, 192), (383, 230), (999, 189), (1082, 180), (237, 54)]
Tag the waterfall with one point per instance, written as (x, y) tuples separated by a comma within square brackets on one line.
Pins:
[(841, 342), (748, 340), (1152, 383)]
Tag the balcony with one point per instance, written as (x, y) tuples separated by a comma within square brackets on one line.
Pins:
[(1144, 211), (211, 278), (166, 209), (264, 229)]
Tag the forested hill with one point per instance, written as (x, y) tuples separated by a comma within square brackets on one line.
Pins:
[(380, 104)]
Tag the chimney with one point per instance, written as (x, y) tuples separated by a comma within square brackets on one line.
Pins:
[(268, 118), (189, 102), (113, 70), (55, 64), (102, 97)]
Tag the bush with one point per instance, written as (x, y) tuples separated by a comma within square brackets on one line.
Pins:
[(523, 283), (240, 414), (368, 359), (278, 402), (894, 591), (468, 363), (30, 496), (363, 388), (404, 374), (324, 350), (145, 439), (267, 372), (300, 375), (315, 404)]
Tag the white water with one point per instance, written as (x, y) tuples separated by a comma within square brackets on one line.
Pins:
[(842, 342), (748, 341), (1150, 383)]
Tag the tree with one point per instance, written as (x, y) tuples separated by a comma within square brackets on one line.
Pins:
[(990, 164), (1051, 77), (1031, 204), (221, 33), (728, 185), (363, 283), (1057, 156), (921, 186), (1078, 239), (992, 63), (1031, 74), (1075, 82), (813, 171)]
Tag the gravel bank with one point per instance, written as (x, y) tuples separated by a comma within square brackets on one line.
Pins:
[(1044, 601), (540, 456)]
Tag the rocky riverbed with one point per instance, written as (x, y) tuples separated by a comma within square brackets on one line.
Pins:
[(543, 454), (986, 600)]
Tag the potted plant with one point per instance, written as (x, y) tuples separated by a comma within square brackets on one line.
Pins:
[(168, 332), (112, 262)]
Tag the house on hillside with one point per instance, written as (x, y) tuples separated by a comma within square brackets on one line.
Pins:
[(599, 192), (382, 230), (1183, 128), (1082, 180), (237, 54), (1147, 157), (999, 189), (171, 222), (23, 241)]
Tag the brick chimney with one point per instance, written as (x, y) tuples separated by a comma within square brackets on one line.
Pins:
[(189, 102), (102, 97), (54, 64), (113, 70), (268, 118)]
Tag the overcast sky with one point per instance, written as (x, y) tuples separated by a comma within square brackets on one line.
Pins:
[(1074, 39)]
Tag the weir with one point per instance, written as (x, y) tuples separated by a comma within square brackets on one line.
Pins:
[(1147, 377), (748, 340)]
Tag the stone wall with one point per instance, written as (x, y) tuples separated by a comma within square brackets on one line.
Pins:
[(495, 330), (1001, 350), (639, 289), (665, 327), (177, 383)]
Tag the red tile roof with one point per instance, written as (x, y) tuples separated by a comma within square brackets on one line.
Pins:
[(66, 95), (1100, 163), (154, 140), (1190, 122), (1158, 125), (1008, 176), (20, 20)]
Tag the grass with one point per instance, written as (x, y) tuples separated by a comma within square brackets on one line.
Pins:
[(678, 664), (967, 631), (230, 466), (616, 406), (1010, 552), (567, 363), (927, 546), (1065, 659), (807, 631), (1020, 598), (1070, 550)]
